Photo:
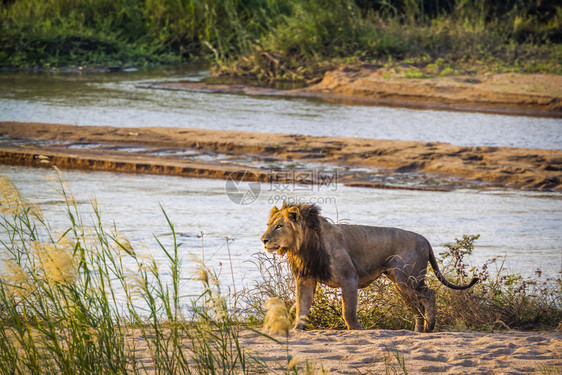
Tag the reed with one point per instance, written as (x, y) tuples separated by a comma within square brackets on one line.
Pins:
[(69, 304)]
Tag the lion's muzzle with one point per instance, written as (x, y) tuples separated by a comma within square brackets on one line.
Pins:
[(267, 245)]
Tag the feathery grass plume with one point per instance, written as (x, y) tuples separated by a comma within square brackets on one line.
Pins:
[(145, 261), (122, 243), (215, 303), (276, 319), (17, 281), (202, 275), (12, 203), (219, 307), (135, 284), (56, 260)]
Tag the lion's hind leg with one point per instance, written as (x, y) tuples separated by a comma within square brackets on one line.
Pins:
[(410, 298), (428, 301), (418, 298)]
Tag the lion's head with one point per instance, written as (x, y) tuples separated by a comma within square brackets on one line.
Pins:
[(295, 230), (287, 226)]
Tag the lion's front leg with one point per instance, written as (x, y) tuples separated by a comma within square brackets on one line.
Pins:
[(305, 297), (349, 296)]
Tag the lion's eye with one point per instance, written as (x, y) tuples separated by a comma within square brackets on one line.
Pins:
[(278, 227)]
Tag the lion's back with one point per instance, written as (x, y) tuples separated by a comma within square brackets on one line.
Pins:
[(375, 244)]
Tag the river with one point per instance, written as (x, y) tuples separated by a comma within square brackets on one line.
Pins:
[(522, 229), (115, 99)]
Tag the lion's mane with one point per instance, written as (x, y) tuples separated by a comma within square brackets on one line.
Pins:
[(310, 258)]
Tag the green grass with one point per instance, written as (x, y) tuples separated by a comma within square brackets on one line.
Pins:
[(79, 299), (274, 40)]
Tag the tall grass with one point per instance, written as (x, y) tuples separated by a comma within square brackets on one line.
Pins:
[(282, 39), (70, 302)]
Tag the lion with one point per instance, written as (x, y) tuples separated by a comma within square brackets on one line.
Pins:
[(351, 257)]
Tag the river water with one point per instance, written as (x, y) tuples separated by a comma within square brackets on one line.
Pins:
[(114, 99), (523, 229)]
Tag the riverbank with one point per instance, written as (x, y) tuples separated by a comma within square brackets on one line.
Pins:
[(166, 149), (507, 93)]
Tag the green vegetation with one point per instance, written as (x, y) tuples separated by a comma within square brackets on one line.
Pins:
[(82, 300), (285, 39)]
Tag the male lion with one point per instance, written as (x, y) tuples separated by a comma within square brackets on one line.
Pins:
[(351, 257)]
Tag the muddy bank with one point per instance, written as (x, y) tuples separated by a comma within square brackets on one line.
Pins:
[(509, 93), (532, 169)]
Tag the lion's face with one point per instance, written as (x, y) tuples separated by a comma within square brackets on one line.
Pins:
[(280, 235)]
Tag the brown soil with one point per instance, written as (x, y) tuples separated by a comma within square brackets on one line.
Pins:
[(532, 169)]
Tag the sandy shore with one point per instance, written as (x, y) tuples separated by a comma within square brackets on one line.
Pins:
[(376, 352), (532, 169), (367, 352), (508, 93)]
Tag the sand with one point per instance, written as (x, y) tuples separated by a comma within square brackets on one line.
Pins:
[(367, 352), (519, 168), (506, 93), (379, 352)]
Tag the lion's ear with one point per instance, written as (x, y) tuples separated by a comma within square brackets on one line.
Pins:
[(293, 213), (274, 210), (284, 205)]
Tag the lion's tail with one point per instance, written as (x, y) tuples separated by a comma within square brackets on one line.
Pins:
[(442, 278)]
